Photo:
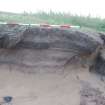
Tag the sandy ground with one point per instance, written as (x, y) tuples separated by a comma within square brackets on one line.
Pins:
[(59, 88), (70, 86)]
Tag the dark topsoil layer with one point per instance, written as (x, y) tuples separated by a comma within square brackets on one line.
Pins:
[(14, 38)]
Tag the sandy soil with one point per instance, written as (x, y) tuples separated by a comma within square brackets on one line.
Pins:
[(59, 88), (70, 86)]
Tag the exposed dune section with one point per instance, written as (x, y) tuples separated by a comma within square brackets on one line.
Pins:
[(45, 66), (50, 83)]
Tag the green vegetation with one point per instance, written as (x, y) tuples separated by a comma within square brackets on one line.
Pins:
[(54, 18)]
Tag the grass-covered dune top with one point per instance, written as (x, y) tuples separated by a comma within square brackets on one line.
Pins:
[(54, 18)]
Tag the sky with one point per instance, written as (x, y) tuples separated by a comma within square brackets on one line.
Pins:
[(95, 8)]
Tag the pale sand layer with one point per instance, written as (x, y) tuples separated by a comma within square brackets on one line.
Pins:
[(44, 81), (57, 88)]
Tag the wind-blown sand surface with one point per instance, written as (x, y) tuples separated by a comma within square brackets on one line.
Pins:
[(70, 86)]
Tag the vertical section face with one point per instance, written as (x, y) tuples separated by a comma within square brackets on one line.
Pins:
[(11, 35), (39, 38), (99, 66)]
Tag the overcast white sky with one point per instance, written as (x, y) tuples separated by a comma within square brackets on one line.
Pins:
[(81, 7)]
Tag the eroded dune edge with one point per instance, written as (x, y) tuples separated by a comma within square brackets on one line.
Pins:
[(51, 66)]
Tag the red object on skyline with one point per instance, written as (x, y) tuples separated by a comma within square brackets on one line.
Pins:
[(12, 24), (45, 25), (65, 26)]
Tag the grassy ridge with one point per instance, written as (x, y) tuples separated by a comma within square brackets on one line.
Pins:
[(54, 18)]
